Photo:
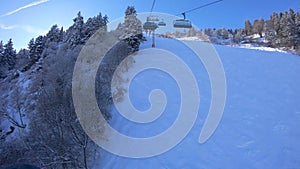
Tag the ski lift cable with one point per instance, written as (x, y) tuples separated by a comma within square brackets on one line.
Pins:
[(202, 6)]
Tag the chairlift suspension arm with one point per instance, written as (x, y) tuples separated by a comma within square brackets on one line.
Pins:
[(152, 6), (183, 15)]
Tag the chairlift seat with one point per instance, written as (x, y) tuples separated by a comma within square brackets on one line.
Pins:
[(162, 23), (150, 26), (182, 23), (152, 18)]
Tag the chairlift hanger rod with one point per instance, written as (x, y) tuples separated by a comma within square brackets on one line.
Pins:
[(202, 6), (152, 6)]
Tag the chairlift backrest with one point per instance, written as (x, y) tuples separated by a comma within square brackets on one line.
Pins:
[(152, 19), (150, 25), (161, 23), (182, 23)]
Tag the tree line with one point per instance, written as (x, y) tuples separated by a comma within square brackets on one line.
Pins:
[(43, 126), (282, 31)]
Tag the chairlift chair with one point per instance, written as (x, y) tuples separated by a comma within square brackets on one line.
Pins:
[(162, 23), (182, 23), (150, 25), (152, 19)]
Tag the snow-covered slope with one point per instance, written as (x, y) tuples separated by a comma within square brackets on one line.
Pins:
[(260, 125), (248, 45)]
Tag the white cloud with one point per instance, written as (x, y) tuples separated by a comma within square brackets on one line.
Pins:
[(26, 6), (33, 30), (7, 27), (27, 28)]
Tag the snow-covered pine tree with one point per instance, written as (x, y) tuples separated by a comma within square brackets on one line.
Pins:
[(214, 36), (297, 24), (293, 27), (270, 33), (2, 69), (208, 32), (248, 28), (201, 35), (54, 35), (238, 35), (22, 59), (258, 26), (276, 22), (285, 30), (1, 47), (61, 34), (7, 58), (31, 48), (36, 48), (130, 11), (75, 34), (131, 29), (105, 20), (93, 24), (223, 33), (39, 47), (273, 34), (9, 55), (191, 32)]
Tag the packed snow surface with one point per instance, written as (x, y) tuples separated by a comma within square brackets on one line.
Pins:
[(260, 127)]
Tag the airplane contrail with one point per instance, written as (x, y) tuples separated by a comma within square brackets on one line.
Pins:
[(26, 6)]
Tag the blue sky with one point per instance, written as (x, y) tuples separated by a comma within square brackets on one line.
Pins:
[(26, 19)]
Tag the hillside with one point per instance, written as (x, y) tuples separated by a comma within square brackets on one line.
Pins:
[(280, 32), (259, 128), (40, 123)]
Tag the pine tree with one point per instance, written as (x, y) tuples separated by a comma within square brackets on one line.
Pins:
[(94, 24), (54, 35), (238, 35), (272, 30), (105, 20), (2, 68), (293, 28), (292, 14), (224, 33), (276, 22), (31, 48), (130, 11), (61, 34), (131, 29), (36, 48), (230, 31), (208, 32), (248, 28), (258, 27), (191, 32), (1, 47), (22, 59), (297, 35), (39, 46), (75, 34), (270, 33), (285, 30), (78, 27), (9, 55)]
